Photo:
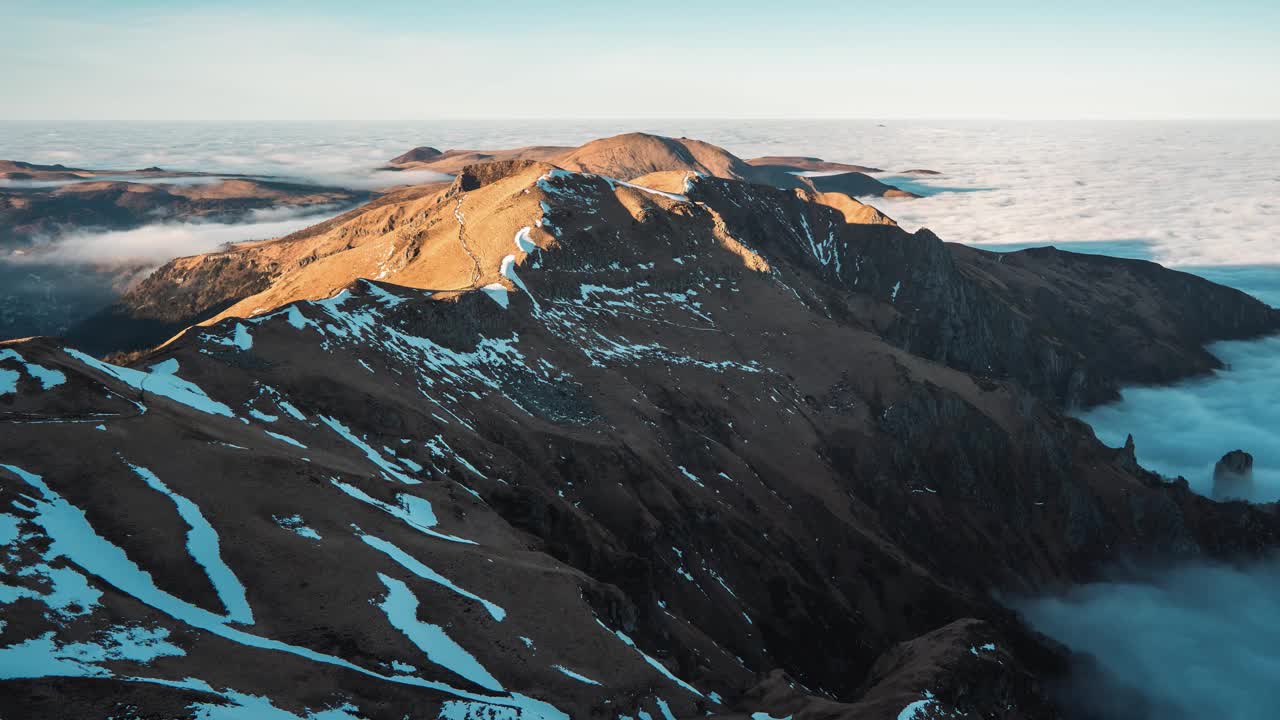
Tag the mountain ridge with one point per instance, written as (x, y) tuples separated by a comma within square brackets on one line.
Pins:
[(981, 312), (590, 448), (631, 155)]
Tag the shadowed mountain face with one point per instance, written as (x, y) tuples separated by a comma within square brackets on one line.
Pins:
[(589, 448)]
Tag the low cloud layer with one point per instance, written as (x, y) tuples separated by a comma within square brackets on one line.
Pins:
[(374, 179), (1185, 429), (349, 179), (343, 156), (195, 180), (156, 244), (1202, 193), (1190, 643)]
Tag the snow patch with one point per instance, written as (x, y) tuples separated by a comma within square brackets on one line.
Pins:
[(71, 536), (166, 385), (202, 544), (294, 523), (576, 676), (401, 608), (388, 466), (285, 439), (498, 293), (508, 271), (48, 377), (414, 511), (692, 478), (655, 664), (523, 242), (9, 381), (415, 566)]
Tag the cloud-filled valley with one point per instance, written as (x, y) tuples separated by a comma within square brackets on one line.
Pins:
[(1186, 643), (61, 280), (154, 244), (1185, 429)]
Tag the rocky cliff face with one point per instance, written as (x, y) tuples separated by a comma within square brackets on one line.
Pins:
[(1031, 316), (1107, 321), (585, 449)]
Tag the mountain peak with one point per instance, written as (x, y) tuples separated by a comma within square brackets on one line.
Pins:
[(418, 154)]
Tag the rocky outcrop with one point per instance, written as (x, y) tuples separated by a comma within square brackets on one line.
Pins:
[(1233, 476), (474, 177)]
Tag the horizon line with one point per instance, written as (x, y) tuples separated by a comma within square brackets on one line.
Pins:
[(659, 118)]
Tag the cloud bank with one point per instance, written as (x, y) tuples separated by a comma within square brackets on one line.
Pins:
[(153, 245), (1190, 643), (1186, 428), (373, 179), (1202, 193)]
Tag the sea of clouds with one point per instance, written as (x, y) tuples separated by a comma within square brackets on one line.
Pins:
[(1184, 430), (1201, 193), (1188, 643)]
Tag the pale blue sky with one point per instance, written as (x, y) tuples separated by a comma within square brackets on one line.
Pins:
[(390, 60)]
